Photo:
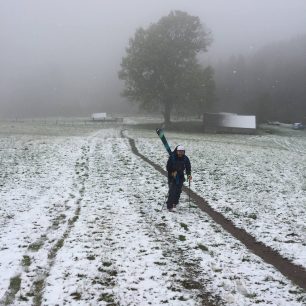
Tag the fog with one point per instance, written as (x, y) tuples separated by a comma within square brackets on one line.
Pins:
[(61, 57)]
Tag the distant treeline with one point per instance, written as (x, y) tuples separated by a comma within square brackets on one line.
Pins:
[(271, 83)]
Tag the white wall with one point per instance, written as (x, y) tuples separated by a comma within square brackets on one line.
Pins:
[(238, 121), (98, 116)]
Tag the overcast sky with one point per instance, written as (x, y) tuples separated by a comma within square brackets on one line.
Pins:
[(44, 43)]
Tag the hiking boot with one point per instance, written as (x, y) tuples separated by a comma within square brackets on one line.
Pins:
[(170, 209), (174, 208)]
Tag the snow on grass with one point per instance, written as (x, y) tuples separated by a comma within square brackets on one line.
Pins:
[(259, 182), (91, 230), (112, 250), (36, 176)]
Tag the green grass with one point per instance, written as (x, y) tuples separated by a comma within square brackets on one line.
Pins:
[(38, 290), (59, 244), (26, 261), (160, 263), (184, 226), (76, 295), (191, 284), (203, 247), (14, 287), (252, 216), (35, 246), (182, 238), (91, 257)]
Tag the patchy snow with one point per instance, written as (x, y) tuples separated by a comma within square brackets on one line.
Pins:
[(259, 182), (81, 219)]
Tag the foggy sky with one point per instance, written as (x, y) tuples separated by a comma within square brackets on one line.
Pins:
[(61, 57)]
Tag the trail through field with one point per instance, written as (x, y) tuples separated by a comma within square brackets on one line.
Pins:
[(92, 232), (294, 272)]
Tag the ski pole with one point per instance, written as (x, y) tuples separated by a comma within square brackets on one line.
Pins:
[(189, 194)]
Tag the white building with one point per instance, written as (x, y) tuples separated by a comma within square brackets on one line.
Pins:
[(229, 122), (98, 116)]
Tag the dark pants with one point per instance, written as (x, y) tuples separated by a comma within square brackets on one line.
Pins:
[(175, 190)]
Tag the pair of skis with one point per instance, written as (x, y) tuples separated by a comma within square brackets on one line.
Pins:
[(160, 133), (162, 137)]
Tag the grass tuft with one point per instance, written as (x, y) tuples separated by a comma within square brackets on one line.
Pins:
[(182, 238), (184, 226), (76, 295), (14, 287), (252, 216), (106, 297), (191, 284), (203, 247), (35, 246), (26, 261), (91, 257)]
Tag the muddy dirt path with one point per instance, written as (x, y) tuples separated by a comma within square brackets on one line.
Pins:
[(295, 273)]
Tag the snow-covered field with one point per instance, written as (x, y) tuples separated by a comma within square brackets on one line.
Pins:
[(259, 182), (81, 220)]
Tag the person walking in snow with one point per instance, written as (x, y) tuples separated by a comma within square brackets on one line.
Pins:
[(177, 164)]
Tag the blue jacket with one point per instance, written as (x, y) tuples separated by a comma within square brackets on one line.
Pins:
[(178, 164)]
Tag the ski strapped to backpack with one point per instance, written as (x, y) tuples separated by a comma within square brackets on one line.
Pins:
[(161, 135)]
